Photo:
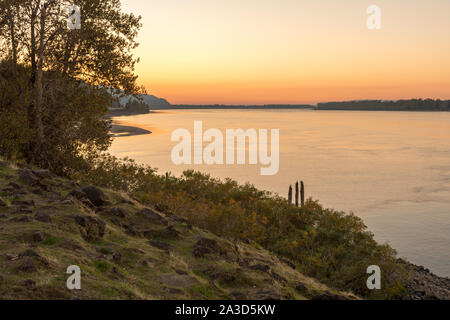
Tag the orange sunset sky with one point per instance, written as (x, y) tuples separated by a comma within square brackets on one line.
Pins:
[(292, 51)]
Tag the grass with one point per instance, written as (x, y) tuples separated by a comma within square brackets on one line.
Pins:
[(129, 278)]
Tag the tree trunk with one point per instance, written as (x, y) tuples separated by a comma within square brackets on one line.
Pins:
[(39, 86), (302, 193), (12, 30), (290, 195)]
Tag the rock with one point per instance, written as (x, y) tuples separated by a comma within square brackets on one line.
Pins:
[(77, 194), (96, 196), (278, 278), (302, 289), (44, 185), (3, 203), (176, 218), (179, 271), (23, 210), (24, 203), (267, 294), (43, 217), (132, 231), (115, 212), (288, 262), (34, 237), (71, 245), (206, 246), (152, 215), (260, 267), (237, 295), (21, 219), (80, 196), (28, 266), (162, 208), (228, 277), (91, 228), (14, 186), (160, 245), (37, 191), (12, 256), (43, 174), (168, 233), (27, 176)]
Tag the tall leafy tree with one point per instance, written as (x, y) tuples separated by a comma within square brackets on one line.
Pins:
[(62, 76)]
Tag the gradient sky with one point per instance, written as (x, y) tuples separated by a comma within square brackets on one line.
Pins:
[(292, 51)]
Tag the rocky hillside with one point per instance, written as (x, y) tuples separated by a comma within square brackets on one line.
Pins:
[(125, 250)]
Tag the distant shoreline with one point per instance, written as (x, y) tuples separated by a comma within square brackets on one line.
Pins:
[(235, 107)]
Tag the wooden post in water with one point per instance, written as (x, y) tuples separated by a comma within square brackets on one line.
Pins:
[(302, 193), (290, 194), (296, 194)]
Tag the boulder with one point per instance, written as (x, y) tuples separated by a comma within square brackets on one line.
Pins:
[(28, 266), (21, 219), (260, 267), (43, 174), (27, 176), (91, 228), (206, 246), (23, 203), (167, 233), (302, 289), (33, 236), (3, 203), (43, 217), (237, 295), (114, 212), (14, 186), (267, 294), (160, 245), (152, 215), (96, 196)]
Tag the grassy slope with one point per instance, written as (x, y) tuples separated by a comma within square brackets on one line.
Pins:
[(139, 256)]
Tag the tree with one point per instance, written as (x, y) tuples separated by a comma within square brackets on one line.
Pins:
[(66, 72)]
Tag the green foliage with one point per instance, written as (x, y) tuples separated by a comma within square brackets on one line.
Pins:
[(334, 247), (55, 83), (101, 266)]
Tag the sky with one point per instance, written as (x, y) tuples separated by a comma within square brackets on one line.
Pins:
[(292, 51)]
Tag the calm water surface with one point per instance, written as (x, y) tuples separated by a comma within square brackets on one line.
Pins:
[(392, 169)]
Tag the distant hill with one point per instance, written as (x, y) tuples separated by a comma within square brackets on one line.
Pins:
[(131, 105), (150, 100)]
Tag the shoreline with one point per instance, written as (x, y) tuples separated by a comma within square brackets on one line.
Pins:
[(118, 130)]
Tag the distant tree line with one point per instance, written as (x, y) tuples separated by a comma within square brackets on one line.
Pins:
[(399, 105)]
